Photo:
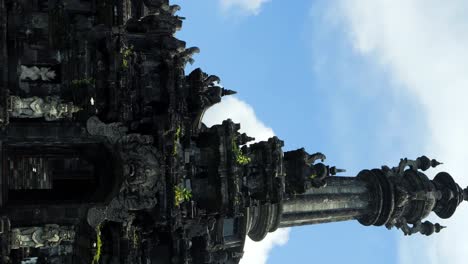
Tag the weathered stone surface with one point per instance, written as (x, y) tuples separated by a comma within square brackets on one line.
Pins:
[(102, 138)]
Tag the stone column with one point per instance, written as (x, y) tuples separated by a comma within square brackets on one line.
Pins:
[(343, 198), (400, 197)]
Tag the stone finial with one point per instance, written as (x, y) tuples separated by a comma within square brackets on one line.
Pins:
[(425, 163), (334, 170), (428, 228), (425, 228), (244, 139), (435, 163), (422, 163), (226, 92), (439, 227)]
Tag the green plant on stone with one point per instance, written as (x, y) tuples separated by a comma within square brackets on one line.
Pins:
[(181, 195), (82, 82), (126, 52), (97, 254), (178, 132), (135, 238), (241, 159)]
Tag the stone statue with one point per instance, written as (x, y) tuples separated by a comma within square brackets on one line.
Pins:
[(37, 74), (50, 108), (44, 236)]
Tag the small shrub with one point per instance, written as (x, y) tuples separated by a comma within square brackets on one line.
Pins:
[(182, 195), (127, 53), (241, 159)]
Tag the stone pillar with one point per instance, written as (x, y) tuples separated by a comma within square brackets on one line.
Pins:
[(400, 197), (343, 198)]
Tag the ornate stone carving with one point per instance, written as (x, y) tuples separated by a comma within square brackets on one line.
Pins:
[(140, 163), (44, 236), (137, 70), (422, 163), (35, 73), (316, 156), (50, 108), (425, 228), (205, 88)]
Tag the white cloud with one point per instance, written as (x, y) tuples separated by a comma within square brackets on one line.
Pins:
[(423, 45), (251, 7), (257, 252), (240, 112)]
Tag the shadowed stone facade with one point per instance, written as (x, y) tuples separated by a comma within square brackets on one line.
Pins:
[(104, 158)]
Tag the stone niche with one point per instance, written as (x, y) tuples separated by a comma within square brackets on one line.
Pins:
[(55, 173)]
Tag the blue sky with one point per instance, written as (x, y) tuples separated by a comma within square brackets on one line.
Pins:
[(366, 82)]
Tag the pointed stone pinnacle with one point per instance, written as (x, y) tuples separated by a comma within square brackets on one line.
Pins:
[(423, 163), (333, 170), (435, 163), (227, 92), (439, 227)]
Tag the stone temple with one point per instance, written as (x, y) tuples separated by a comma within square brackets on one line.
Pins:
[(104, 158)]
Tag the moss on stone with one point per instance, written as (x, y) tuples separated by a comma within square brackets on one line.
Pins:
[(97, 254)]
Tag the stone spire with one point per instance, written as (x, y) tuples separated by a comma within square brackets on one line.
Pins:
[(400, 197)]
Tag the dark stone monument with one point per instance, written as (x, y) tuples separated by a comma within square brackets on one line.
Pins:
[(104, 158)]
